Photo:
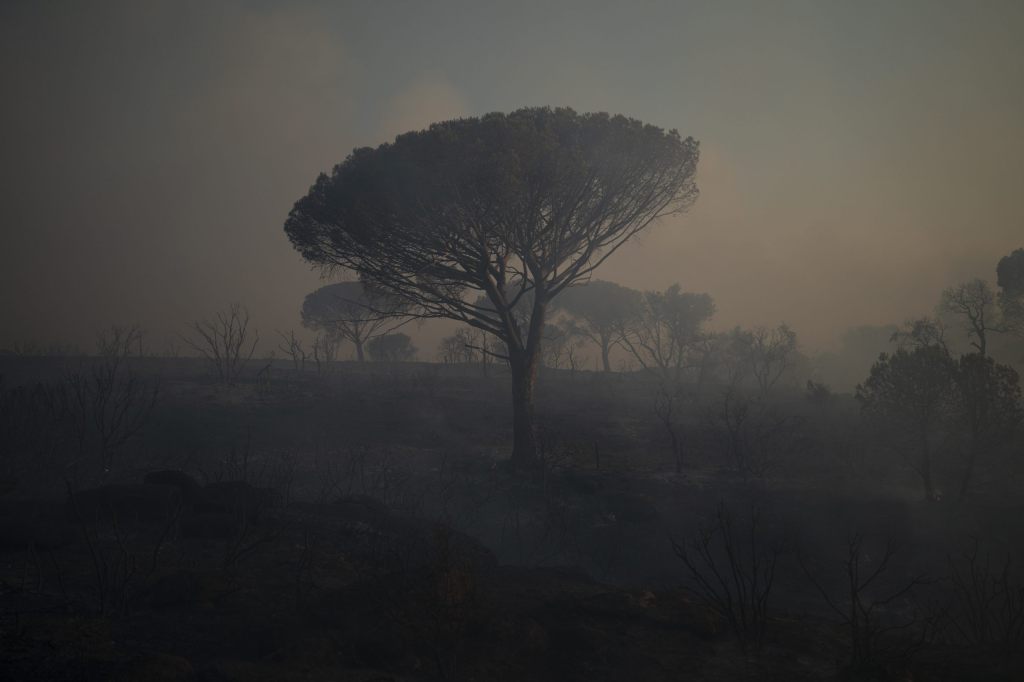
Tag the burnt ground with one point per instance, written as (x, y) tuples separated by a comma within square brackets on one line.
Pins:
[(363, 526)]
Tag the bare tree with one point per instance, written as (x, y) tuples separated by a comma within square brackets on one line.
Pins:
[(469, 341), (119, 341), (862, 608), (920, 333), (503, 206), (769, 354), (558, 340), (107, 406), (974, 304), (226, 341), (451, 349), (988, 602), (325, 351), (750, 434), (291, 346), (666, 335), (728, 358), (667, 403), (733, 570), (33, 431), (572, 356), (467, 345)]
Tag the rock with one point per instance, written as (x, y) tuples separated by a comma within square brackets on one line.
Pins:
[(183, 588), (365, 509), (577, 483), (234, 671), (534, 637), (155, 668), (186, 484), (214, 525), (644, 600), (17, 535), (126, 504), (236, 497), (636, 509)]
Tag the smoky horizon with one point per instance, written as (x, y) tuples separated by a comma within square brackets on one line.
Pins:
[(855, 161)]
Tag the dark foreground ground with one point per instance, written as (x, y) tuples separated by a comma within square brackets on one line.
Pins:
[(362, 526)]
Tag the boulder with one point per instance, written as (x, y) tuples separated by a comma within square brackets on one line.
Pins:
[(186, 484), (126, 504), (155, 668), (20, 534), (183, 589), (236, 497), (211, 525)]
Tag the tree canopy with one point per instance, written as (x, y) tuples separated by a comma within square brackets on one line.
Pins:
[(538, 197), (1010, 274)]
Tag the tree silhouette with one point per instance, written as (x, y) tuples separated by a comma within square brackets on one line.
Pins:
[(769, 354), (226, 341), (1010, 273), (391, 348), (1010, 278), (988, 407), (351, 311), (974, 303), (911, 394), (668, 329), (504, 206), (602, 312)]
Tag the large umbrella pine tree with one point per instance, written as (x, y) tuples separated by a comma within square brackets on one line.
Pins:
[(472, 217)]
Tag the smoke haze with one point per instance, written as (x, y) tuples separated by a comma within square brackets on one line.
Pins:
[(856, 158)]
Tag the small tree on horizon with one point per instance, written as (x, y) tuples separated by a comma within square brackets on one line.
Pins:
[(391, 348), (667, 330), (602, 312), (351, 311), (226, 341)]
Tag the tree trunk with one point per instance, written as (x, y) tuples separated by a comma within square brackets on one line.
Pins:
[(524, 441), (677, 450), (359, 352), (926, 469), (965, 482), (605, 350), (524, 361)]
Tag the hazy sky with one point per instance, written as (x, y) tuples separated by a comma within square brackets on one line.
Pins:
[(857, 156)]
